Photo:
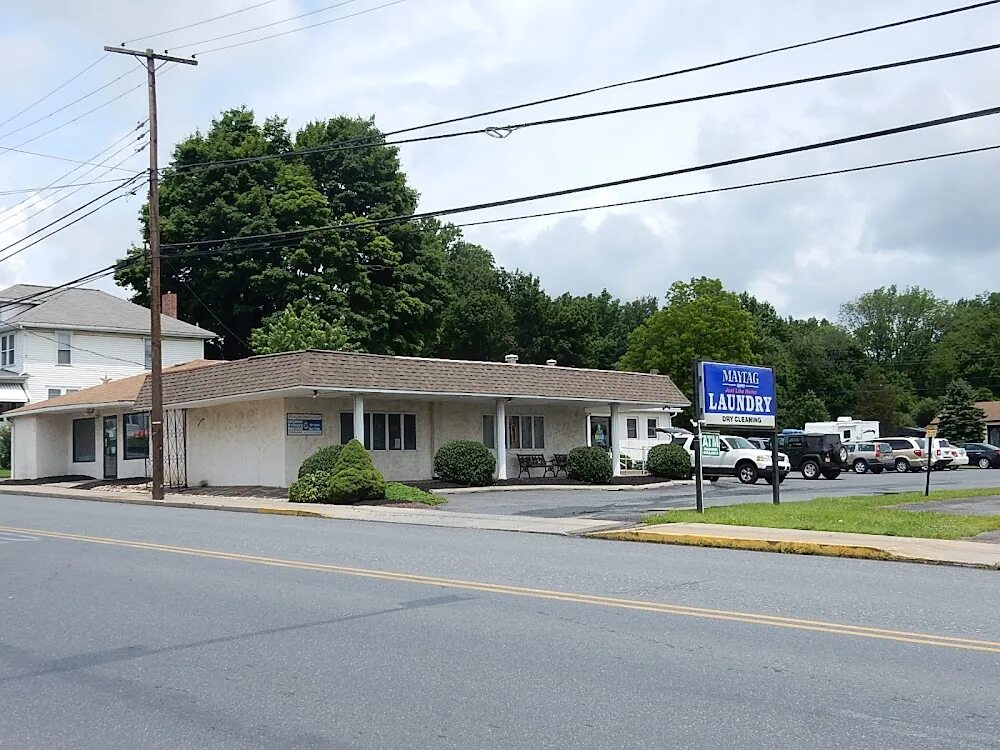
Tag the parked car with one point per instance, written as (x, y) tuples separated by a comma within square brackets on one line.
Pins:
[(911, 454), (983, 455), (874, 457), (739, 458), (958, 455), (814, 455)]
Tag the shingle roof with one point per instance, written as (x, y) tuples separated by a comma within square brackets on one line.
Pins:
[(91, 308), (367, 373), (992, 409), (124, 390)]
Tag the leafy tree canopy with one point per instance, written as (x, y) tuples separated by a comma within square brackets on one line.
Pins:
[(299, 326)]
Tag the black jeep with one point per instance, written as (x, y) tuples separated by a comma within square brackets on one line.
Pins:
[(814, 455)]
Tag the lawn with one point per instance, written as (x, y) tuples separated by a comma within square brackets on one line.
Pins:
[(402, 493), (862, 514), (4, 473)]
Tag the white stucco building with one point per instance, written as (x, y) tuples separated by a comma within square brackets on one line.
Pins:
[(57, 341), (253, 421)]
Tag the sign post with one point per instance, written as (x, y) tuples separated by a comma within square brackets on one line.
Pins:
[(699, 494), (931, 433)]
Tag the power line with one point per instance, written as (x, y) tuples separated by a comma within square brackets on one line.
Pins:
[(304, 28), (52, 156), (53, 186), (506, 130), (71, 345), (208, 309), (696, 68), (624, 181), (263, 26), (197, 23), (53, 91)]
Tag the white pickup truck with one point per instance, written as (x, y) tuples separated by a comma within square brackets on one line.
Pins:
[(739, 458)]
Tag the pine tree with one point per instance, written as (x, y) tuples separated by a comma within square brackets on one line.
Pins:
[(961, 421)]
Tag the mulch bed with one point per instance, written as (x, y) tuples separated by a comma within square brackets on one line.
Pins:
[(48, 480)]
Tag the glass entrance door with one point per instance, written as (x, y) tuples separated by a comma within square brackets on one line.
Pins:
[(111, 447), (600, 432)]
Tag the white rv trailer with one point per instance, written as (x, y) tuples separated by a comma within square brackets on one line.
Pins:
[(849, 430)]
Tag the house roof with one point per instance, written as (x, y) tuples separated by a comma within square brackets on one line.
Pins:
[(122, 391), (370, 373), (90, 309), (991, 408)]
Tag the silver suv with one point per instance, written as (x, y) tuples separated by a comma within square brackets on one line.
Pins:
[(875, 457), (911, 454)]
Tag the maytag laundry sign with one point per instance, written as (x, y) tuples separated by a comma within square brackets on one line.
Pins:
[(737, 395)]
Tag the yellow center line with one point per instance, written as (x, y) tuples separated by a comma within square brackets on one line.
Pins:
[(927, 639)]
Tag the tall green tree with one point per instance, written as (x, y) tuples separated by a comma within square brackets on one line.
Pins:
[(886, 397), (299, 326), (961, 421), (699, 320), (796, 411), (384, 281), (970, 346)]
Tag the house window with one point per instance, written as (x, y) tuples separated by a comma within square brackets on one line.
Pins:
[(55, 392), (84, 440), (651, 426), (490, 431), (147, 353), (7, 350), (394, 432), (632, 428), (526, 432), (136, 435), (64, 348)]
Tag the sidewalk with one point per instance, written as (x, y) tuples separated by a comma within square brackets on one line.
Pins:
[(867, 546), (418, 516)]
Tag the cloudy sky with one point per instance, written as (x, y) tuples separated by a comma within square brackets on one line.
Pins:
[(806, 246)]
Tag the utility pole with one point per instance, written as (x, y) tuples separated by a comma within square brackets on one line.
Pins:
[(156, 339)]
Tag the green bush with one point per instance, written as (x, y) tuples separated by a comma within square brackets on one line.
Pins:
[(325, 459), (4, 446), (589, 464), (669, 461), (311, 488), (355, 478), (465, 462)]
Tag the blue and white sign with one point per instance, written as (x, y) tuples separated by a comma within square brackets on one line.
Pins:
[(303, 424), (737, 395)]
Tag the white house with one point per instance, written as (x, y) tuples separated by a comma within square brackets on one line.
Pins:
[(253, 421), (57, 341)]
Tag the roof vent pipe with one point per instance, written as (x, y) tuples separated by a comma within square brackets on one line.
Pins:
[(550, 362), (510, 359)]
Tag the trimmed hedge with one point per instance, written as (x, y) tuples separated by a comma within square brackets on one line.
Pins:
[(311, 488), (355, 478), (465, 462), (325, 459), (669, 461), (589, 464)]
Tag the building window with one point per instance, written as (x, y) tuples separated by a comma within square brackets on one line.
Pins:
[(651, 426), (64, 348), (147, 353), (55, 392), (632, 428), (136, 435), (490, 431), (526, 432), (84, 441), (394, 432), (7, 350)]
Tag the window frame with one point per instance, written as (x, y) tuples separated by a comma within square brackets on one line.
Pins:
[(127, 456), (64, 345), (490, 431), (7, 350), (534, 421), (631, 428), (652, 423), (77, 457), (371, 439), (147, 352)]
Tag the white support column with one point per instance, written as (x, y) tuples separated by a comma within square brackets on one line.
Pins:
[(501, 438), (359, 417), (616, 443)]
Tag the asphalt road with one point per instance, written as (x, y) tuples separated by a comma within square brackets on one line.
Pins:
[(128, 626), (632, 505)]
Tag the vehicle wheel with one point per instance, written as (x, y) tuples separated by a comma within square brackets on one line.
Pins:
[(902, 465), (952, 468), (860, 466), (984, 463), (832, 473), (781, 479), (713, 480), (810, 469), (843, 455), (746, 472)]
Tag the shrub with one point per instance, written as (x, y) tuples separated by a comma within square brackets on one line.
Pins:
[(465, 462), (589, 464), (5, 446), (355, 478), (669, 462), (325, 459), (311, 488)]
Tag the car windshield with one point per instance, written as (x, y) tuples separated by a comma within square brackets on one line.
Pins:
[(738, 443)]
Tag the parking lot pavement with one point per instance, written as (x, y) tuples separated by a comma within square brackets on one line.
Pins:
[(631, 505)]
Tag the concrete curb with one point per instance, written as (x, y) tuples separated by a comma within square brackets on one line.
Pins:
[(856, 551), (560, 487)]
